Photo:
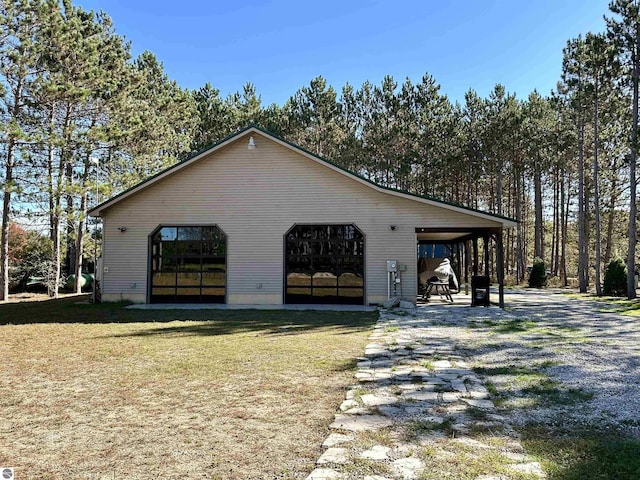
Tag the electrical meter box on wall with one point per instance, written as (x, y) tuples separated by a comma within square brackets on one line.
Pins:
[(392, 266)]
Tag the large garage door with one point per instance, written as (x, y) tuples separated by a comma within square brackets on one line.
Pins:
[(188, 265), (324, 264)]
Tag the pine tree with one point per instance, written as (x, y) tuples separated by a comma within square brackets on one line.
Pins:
[(624, 31), (213, 117), (313, 118), (20, 56), (86, 79), (574, 86)]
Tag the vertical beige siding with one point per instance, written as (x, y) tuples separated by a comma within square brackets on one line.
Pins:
[(255, 196)]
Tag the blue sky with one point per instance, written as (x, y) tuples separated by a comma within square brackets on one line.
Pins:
[(281, 45)]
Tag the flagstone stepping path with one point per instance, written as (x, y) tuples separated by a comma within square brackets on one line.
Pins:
[(416, 405)]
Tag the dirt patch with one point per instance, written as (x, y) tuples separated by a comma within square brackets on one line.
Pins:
[(40, 297)]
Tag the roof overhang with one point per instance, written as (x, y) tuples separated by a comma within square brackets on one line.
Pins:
[(452, 235)]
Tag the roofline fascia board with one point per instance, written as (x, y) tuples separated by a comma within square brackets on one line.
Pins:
[(173, 169)]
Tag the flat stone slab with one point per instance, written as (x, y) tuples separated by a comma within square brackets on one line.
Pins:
[(421, 396), (478, 395), (402, 352), (360, 423), (377, 452), (336, 439), (459, 386), (365, 377), (428, 377), (442, 364), (371, 400), (409, 387), (424, 350), (323, 474), (376, 352), (452, 373), (335, 455), (486, 404), (402, 372), (381, 363), (347, 404), (357, 411), (409, 467), (450, 396)]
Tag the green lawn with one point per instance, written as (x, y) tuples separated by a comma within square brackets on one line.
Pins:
[(103, 392), (580, 455)]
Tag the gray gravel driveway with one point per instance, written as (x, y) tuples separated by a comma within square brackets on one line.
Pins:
[(563, 360)]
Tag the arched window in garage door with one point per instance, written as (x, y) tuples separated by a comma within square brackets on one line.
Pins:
[(188, 264), (324, 264)]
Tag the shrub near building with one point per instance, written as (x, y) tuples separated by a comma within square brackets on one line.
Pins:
[(538, 275), (615, 278)]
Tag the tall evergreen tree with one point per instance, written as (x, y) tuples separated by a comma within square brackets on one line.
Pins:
[(598, 62), (624, 30), (538, 125), (87, 73), (20, 59), (213, 117), (158, 123), (313, 113), (574, 78)]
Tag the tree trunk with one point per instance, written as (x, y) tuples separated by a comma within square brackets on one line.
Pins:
[(566, 181), (633, 184), (54, 281), (71, 243), (499, 189), (596, 195), (80, 244), (518, 209), (50, 192), (582, 261), (57, 226), (539, 226), (519, 252), (6, 211), (555, 237), (610, 221), (82, 222), (6, 198)]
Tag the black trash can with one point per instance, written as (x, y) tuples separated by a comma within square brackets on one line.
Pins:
[(480, 290)]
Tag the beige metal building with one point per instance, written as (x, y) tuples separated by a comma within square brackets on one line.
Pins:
[(257, 220)]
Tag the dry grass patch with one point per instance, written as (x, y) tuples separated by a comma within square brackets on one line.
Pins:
[(241, 395)]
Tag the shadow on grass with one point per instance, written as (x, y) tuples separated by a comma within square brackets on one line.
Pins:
[(624, 306), (583, 455), (221, 322)]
